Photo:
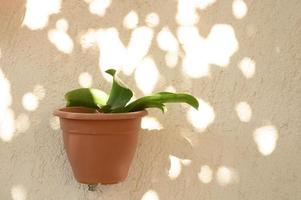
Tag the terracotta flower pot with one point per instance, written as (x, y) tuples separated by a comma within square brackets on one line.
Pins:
[(100, 147)]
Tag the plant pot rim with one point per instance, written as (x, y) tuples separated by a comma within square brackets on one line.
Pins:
[(82, 113)]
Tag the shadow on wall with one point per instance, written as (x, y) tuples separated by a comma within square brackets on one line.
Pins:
[(229, 54)]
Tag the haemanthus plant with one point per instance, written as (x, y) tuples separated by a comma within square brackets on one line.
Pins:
[(118, 101), (100, 131)]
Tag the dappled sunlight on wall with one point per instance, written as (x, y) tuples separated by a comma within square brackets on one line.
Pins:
[(30, 101), (150, 195), (5, 89), (88, 39), (167, 41), (114, 53), (171, 59), (226, 175), (222, 44), (138, 47), (85, 80), (202, 118), (98, 7), (152, 20), (239, 9), (22, 123), (151, 123), (247, 67), (38, 12), (112, 50), (170, 88), (217, 48), (60, 38), (147, 75), (187, 10), (54, 123), (203, 4), (206, 174), (18, 192), (243, 111), (131, 20), (176, 166), (194, 46), (7, 123), (266, 139), (186, 13), (39, 91)]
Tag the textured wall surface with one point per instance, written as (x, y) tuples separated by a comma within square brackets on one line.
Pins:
[(241, 59)]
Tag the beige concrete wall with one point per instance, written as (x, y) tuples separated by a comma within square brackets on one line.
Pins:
[(241, 59)]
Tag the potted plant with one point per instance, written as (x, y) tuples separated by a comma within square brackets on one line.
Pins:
[(100, 131)]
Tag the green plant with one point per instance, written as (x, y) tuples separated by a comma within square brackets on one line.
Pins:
[(120, 96)]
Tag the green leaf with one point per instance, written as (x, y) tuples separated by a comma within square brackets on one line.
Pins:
[(161, 106), (120, 94), (86, 97), (158, 100)]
